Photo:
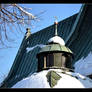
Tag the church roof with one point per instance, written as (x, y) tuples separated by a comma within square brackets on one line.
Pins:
[(76, 32), (26, 62), (80, 40)]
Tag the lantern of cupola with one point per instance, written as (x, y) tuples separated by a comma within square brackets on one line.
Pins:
[(55, 54)]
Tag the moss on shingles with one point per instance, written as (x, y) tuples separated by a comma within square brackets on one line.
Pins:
[(52, 78)]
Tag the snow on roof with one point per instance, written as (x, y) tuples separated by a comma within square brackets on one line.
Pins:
[(84, 65), (36, 80), (57, 39), (31, 48), (67, 80)]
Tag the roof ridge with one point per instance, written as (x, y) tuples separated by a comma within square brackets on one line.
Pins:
[(76, 23)]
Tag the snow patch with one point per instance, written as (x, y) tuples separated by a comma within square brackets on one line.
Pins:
[(57, 39), (17, 76), (67, 80), (84, 65), (36, 80), (31, 48)]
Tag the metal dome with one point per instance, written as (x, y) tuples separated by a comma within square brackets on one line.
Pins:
[(56, 39), (55, 47)]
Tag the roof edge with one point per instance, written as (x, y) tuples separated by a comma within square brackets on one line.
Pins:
[(14, 63), (77, 22)]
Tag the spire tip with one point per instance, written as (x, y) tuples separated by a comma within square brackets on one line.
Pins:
[(56, 26), (56, 22)]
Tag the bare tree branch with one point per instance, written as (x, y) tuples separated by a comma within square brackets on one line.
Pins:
[(15, 15)]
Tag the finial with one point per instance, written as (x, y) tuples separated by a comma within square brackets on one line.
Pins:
[(56, 26), (28, 33)]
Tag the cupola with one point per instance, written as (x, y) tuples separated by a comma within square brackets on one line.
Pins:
[(55, 54)]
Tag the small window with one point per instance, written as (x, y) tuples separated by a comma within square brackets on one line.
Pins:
[(40, 62), (66, 60), (49, 60)]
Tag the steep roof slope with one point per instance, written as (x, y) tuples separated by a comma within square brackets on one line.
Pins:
[(80, 41), (26, 62)]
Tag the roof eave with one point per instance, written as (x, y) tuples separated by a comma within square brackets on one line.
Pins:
[(77, 23)]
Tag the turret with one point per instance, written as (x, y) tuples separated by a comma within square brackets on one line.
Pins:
[(55, 54)]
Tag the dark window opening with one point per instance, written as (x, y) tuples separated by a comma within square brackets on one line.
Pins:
[(55, 59), (40, 62), (66, 60), (49, 60)]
